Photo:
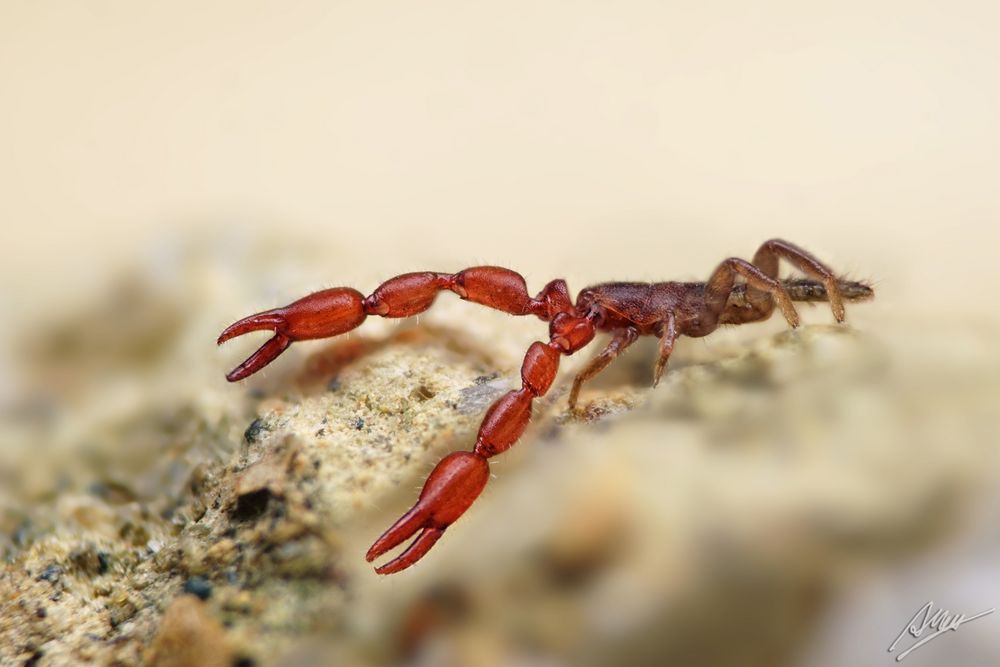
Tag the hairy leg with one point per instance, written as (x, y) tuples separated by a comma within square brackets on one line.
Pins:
[(667, 331), (767, 256), (621, 340), (721, 283)]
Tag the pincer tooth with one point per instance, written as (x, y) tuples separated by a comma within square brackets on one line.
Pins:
[(427, 538), (264, 355), (271, 320), (399, 532)]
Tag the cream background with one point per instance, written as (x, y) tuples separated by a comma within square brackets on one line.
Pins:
[(588, 139)]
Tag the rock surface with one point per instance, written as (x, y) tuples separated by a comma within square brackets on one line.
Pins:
[(152, 514)]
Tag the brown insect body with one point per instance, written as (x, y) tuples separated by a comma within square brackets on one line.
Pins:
[(645, 306), (625, 309)]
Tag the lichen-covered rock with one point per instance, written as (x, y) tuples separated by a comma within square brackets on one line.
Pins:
[(179, 520)]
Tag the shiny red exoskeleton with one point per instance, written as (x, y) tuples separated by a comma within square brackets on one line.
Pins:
[(626, 310)]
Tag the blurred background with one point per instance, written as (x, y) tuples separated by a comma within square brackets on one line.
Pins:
[(782, 499)]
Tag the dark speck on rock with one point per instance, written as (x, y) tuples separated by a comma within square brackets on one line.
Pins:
[(423, 393), (483, 379), (198, 586), (250, 506), (358, 423), (103, 562), (50, 574), (333, 384), (252, 434), (114, 493)]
